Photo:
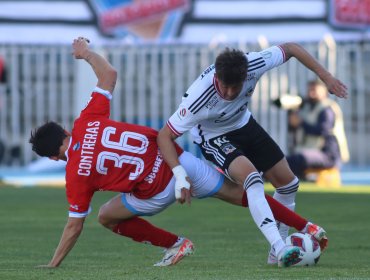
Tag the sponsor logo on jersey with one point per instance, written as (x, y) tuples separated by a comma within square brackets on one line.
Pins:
[(212, 103), (74, 206), (156, 166), (227, 148), (76, 146), (241, 109)]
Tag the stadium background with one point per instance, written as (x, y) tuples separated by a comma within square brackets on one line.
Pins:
[(167, 50), (158, 51)]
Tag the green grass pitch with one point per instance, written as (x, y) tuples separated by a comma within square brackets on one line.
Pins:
[(228, 244)]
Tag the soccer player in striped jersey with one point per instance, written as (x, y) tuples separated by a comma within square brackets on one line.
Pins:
[(215, 110), (105, 155)]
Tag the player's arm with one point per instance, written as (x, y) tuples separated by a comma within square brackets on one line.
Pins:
[(166, 143), (72, 231), (104, 71), (334, 85)]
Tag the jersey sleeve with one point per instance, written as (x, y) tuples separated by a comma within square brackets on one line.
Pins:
[(79, 202), (183, 119), (188, 114), (99, 104), (265, 60)]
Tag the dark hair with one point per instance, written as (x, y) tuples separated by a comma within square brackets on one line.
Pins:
[(47, 139), (231, 66)]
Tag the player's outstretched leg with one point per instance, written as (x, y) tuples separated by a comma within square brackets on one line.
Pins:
[(318, 233), (182, 248)]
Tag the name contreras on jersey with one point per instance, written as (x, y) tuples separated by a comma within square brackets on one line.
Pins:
[(157, 164), (88, 146)]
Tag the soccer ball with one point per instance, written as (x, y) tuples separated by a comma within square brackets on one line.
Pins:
[(309, 246)]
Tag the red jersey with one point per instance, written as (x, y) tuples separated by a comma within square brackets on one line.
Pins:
[(105, 155)]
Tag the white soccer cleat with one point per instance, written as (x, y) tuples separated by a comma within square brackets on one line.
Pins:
[(288, 256), (177, 252), (318, 233)]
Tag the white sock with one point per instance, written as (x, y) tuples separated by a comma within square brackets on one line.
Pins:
[(277, 247), (286, 196), (261, 211), (178, 241)]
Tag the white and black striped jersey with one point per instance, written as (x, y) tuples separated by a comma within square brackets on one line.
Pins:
[(207, 114)]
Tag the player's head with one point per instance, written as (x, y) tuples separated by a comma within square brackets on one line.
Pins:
[(231, 71), (47, 139), (316, 91), (231, 66)]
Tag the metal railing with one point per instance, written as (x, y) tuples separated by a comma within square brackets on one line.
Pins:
[(45, 83)]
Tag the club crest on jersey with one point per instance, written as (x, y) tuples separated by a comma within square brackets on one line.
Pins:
[(76, 146), (182, 113), (227, 148)]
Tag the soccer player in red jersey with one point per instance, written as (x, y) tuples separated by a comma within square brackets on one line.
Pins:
[(106, 155)]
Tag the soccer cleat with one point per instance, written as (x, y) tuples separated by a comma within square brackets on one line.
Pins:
[(288, 256), (271, 258), (318, 233), (177, 252)]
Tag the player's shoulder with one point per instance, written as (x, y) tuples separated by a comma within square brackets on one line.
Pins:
[(253, 55), (264, 53), (208, 72), (202, 84), (265, 59), (271, 52)]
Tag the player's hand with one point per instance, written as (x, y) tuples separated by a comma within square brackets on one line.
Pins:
[(185, 196), (182, 191), (336, 87), (80, 47), (182, 185)]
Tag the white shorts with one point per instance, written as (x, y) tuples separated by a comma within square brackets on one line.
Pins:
[(206, 181)]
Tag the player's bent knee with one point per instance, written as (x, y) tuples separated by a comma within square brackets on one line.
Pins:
[(103, 218)]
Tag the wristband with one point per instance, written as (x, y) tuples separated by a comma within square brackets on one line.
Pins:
[(179, 172)]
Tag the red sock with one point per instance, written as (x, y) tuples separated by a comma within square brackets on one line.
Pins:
[(245, 200), (281, 213), (141, 230)]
